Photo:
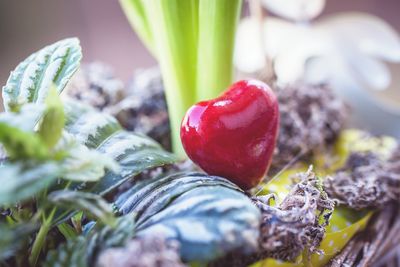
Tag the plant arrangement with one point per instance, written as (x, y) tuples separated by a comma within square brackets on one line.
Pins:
[(275, 178)]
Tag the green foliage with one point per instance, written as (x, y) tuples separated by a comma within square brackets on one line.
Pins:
[(51, 128), (83, 250), (208, 215), (69, 254), (37, 162), (217, 27), (21, 145), (63, 156), (32, 79), (21, 181), (134, 153), (40, 153), (17, 136), (60, 159), (67, 231), (12, 237), (91, 204), (81, 164)]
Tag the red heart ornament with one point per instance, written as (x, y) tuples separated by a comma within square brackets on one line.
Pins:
[(234, 135)]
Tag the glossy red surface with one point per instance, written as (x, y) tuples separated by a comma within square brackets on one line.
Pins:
[(234, 135)]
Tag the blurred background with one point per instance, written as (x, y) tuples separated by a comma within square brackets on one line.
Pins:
[(26, 26)]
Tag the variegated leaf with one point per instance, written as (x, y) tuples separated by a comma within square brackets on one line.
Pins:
[(208, 215), (31, 80), (20, 182), (12, 238), (83, 250), (90, 203), (135, 153)]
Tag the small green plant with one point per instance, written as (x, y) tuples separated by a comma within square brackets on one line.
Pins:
[(52, 174), (60, 159), (193, 41)]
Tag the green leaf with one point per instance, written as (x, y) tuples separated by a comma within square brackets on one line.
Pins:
[(22, 145), (24, 118), (31, 80), (83, 250), (83, 164), (17, 129), (193, 41), (208, 215), (217, 28), (174, 27), (12, 237), (69, 254), (67, 230), (134, 153), (17, 136), (91, 204), (52, 125), (22, 181)]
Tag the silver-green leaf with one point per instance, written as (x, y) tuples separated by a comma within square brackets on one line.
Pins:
[(21, 145), (17, 136), (31, 80), (82, 251), (20, 182), (91, 204), (133, 152), (12, 238), (208, 215), (81, 164)]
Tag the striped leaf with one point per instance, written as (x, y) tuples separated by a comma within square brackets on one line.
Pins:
[(135, 153), (208, 215), (83, 250), (91, 204), (31, 80), (12, 238), (20, 182)]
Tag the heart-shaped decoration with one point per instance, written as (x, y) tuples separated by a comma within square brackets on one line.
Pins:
[(234, 135)]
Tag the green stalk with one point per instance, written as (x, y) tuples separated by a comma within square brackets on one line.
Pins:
[(41, 238), (193, 41), (217, 27), (174, 26)]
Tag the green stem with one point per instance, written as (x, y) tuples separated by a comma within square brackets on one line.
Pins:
[(41, 238), (193, 41), (217, 27), (174, 24)]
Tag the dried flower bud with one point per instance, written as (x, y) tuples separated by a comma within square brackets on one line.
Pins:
[(144, 108), (311, 118), (96, 85), (366, 181), (291, 227), (294, 225)]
